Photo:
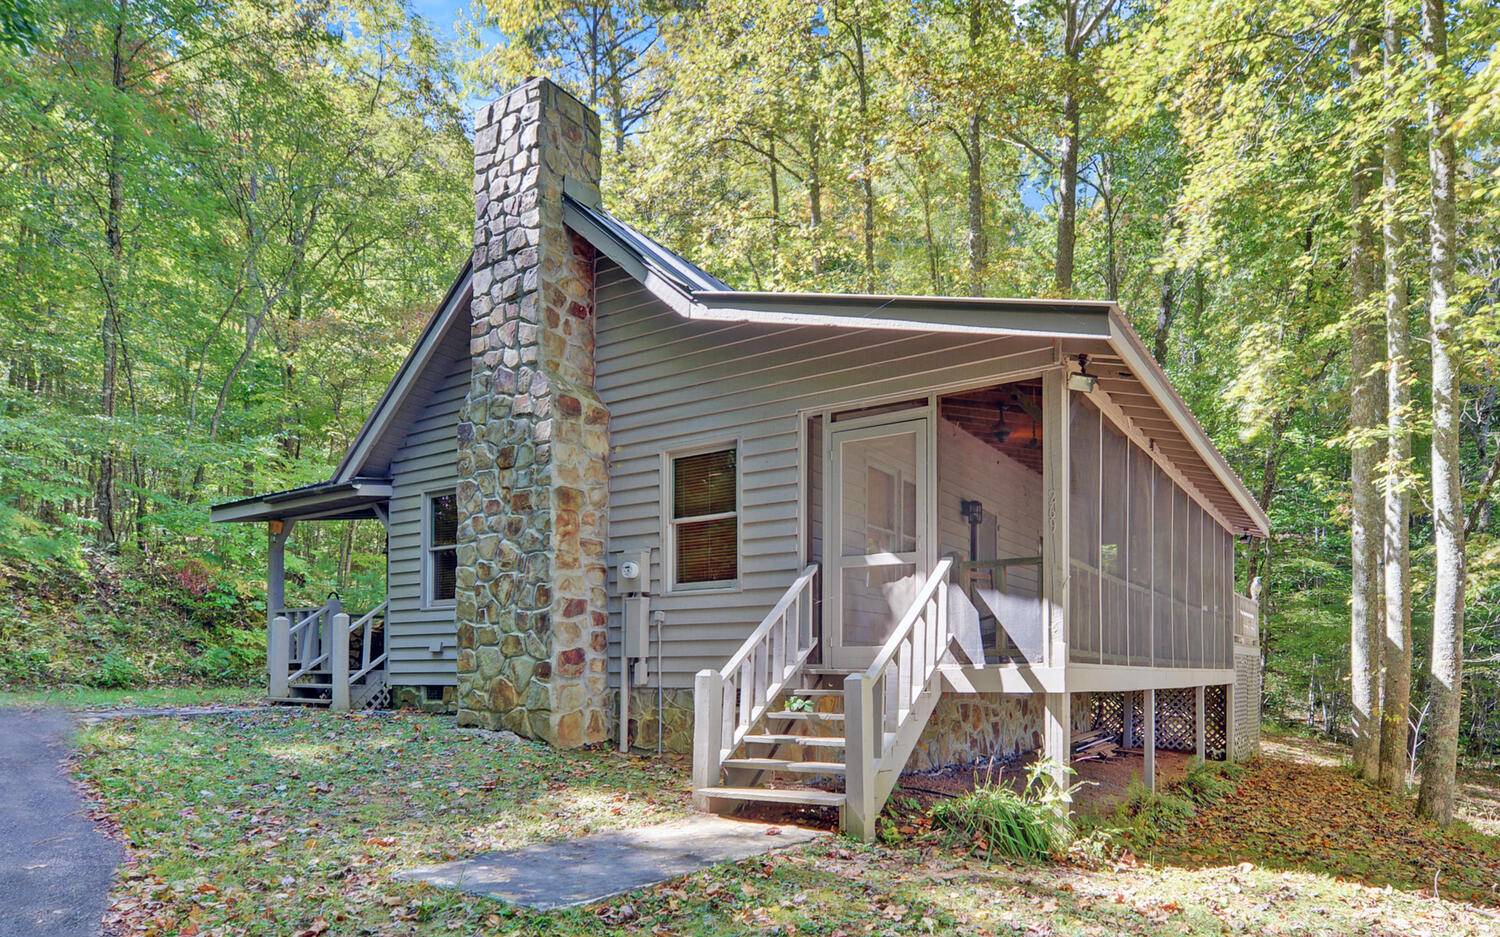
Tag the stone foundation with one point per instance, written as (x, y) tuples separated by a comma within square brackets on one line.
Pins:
[(415, 697), (676, 722), (968, 728)]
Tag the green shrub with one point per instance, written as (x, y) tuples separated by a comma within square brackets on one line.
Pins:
[(1206, 782), (1032, 824), (114, 671), (1144, 816)]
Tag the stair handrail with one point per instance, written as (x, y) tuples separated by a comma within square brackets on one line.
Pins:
[(364, 624), (729, 701), (879, 700), (304, 637)]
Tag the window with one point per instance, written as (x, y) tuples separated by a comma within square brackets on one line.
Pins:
[(441, 560), (704, 521)]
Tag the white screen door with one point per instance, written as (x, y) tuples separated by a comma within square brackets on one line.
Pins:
[(877, 519)]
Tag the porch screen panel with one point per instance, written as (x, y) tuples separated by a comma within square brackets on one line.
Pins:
[(1196, 567), (1114, 508), (1182, 557), (1083, 487), (1226, 626), (1138, 557), (1161, 567)]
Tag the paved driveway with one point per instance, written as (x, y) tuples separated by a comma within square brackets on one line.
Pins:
[(55, 867)]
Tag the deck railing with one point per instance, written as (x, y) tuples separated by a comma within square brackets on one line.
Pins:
[(729, 701), (886, 706), (1246, 620), (314, 643)]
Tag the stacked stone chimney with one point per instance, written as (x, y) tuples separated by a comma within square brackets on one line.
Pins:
[(533, 439)]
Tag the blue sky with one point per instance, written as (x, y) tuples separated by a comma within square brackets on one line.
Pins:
[(442, 14)]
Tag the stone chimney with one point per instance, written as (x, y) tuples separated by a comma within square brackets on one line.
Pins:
[(533, 437)]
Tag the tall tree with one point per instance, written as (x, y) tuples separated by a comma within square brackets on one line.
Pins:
[(1445, 663), (1396, 654), (1080, 25), (1365, 634)]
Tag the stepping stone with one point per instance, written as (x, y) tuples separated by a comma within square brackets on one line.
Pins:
[(571, 873)]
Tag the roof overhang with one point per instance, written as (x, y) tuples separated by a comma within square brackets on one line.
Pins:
[(357, 499)]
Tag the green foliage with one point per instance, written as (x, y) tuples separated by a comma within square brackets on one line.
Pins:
[(799, 704), (119, 624), (1031, 824)]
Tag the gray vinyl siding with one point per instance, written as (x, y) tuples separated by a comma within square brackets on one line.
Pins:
[(672, 383), (425, 461)]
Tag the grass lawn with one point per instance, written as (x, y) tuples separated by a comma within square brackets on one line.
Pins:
[(292, 823), (81, 697)]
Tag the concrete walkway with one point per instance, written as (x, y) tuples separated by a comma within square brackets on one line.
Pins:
[(576, 872), (55, 867)]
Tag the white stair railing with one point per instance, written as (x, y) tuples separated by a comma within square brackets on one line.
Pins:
[(364, 626), (729, 701), (886, 706)]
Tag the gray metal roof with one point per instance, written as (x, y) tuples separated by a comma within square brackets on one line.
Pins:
[(685, 273)]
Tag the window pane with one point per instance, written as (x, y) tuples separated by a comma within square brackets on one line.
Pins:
[(703, 484), (707, 551), (880, 520), (909, 517), (444, 519), (444, 565)]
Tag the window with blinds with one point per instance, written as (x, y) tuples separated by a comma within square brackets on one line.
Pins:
[(704, 520), (442, 548)]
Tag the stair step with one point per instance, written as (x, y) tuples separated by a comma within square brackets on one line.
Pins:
[(298, 701), (827, 671), (807, 716), (775, 795), (814, 692), (782, 764), (810, 741)]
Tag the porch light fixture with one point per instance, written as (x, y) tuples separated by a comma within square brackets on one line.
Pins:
[(1001, 432), (1083, 381)]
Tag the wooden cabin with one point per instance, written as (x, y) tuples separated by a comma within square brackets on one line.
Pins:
[(627, 504)]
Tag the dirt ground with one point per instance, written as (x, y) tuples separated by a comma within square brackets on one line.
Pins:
[(1102, 785)]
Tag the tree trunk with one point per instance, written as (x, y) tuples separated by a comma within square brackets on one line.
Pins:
[(1165, 313), (109, 331), (978, 248), (1067, 197), (1365, 632), (815, 192), (1396, 688), (1445, 683)]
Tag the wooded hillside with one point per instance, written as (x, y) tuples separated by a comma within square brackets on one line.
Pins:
[(222, 225)]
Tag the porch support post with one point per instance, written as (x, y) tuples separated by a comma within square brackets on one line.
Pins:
[(1055, 470), (1148, 716), (1057, 736), (1128, 717), (338, 662), (860, 752), (278, 654), (277, 649), (708, 733), (1229, 721), (1200, 735)]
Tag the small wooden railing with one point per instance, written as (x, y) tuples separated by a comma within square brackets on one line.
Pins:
[(364, 627), (729, 701), (886, 706), (321, 641)]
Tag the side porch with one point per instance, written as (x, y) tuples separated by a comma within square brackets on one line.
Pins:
[(319, 654), (990, 570)]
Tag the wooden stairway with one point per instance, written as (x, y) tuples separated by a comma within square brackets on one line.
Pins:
[(790, 756), (846, 745)]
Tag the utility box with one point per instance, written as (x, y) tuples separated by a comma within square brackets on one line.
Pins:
[(635, 616), (633, 575)]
